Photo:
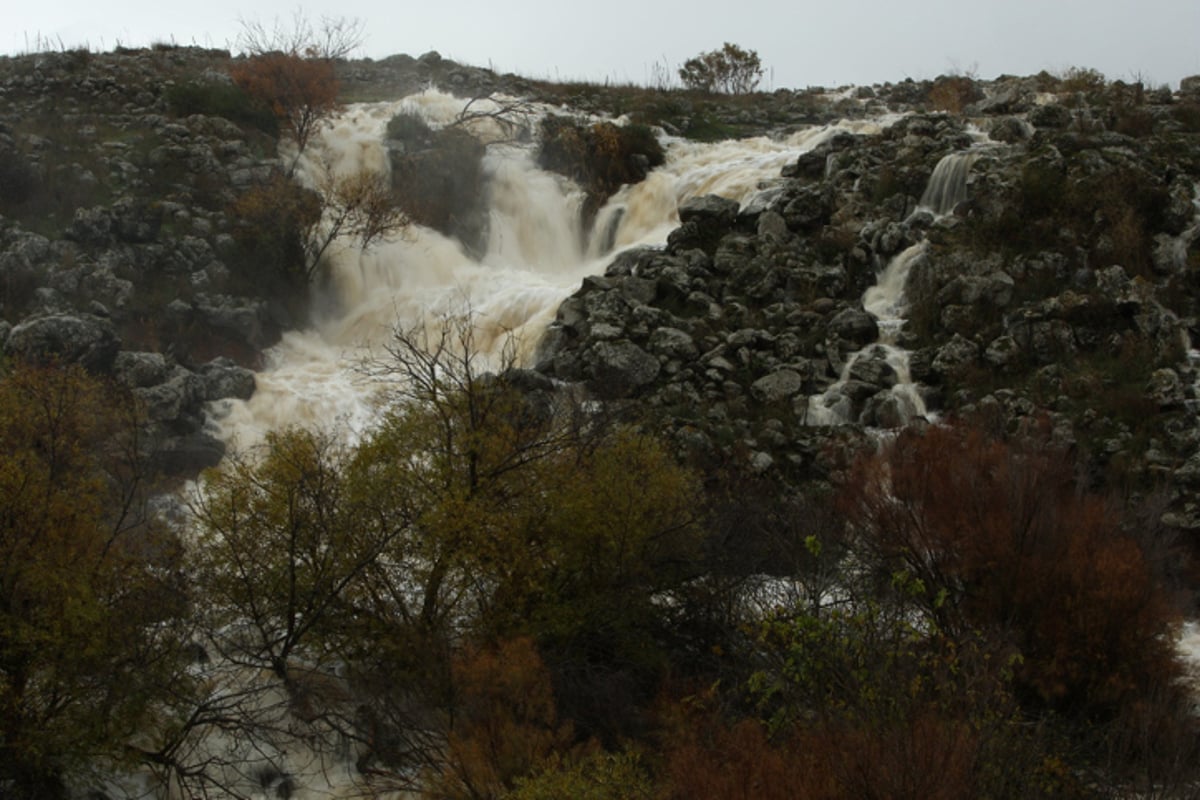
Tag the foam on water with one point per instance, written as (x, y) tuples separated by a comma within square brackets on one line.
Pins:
[(536, 256)]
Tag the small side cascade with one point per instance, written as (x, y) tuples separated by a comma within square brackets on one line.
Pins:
[(875, 386), (948, 184)]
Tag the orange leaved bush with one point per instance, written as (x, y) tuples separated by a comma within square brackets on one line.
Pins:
[(301, 92)]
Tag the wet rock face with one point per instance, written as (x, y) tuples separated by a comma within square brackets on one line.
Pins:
[(1063, 282), (133, 271), (1053, 289)]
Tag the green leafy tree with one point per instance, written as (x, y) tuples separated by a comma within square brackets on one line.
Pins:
[(366, 581), (731, 70), (89, 584), (281, 542)]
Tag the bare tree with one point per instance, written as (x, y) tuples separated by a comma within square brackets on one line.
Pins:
[(358, 206), (329, 39), (289, 68)]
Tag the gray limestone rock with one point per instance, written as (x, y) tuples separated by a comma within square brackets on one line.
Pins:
[(779, 385), (621, 367), (86, 340)]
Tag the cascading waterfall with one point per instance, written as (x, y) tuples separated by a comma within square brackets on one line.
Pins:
[(884, 362), (885, 302), (948, 184), (536, 256)]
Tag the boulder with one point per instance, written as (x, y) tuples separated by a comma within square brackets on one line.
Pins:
[(84, 339), (854, 325), (779, 385), (188, 455), (672, 343), (176, 402), (807, 209), (620, 367), (140, 370), (954, 355), (872, 367), (709, 210), (222, 378), (1166, 389)]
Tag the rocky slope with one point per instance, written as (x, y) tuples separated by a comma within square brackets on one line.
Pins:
[(1056, 285), (115, 241), (1058, 290)]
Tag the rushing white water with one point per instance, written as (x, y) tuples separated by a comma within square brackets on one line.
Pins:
[(536, 256), (947, 185), (885, 302)]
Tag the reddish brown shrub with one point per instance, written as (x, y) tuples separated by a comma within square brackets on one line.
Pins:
[(1003, 540), (301, 92), (505, 723)]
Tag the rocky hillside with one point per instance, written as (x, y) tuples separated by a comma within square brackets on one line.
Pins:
[(116, 246), (1058, 288), (488, 597)]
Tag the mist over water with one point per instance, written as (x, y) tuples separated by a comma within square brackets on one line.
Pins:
[(537, 254)]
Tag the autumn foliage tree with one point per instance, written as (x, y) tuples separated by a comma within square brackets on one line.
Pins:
[(301, 92), (290, 70), (89, 586), (285, 230)]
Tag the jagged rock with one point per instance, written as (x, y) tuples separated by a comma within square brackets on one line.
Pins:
[(807, 208), (760, 461), (1048, 341), (85, 340), (178, 398), (1050, 116), (1166, 389), (92, 226), (854, 325), (672, 343), (994, 289), (1003, 352), (188, 455), (886, 410), (248, 321), (809, 165), (1006, 99), (734, 256), (772, 225), (873, 368), (709, 210)]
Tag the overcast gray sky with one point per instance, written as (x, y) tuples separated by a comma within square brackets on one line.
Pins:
[(801, 44)]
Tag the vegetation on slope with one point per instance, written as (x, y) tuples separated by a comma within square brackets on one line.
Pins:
[(502, 593)]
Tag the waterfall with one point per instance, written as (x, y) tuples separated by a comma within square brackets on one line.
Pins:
[(536, 256), (948, 185), (881, 362)]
